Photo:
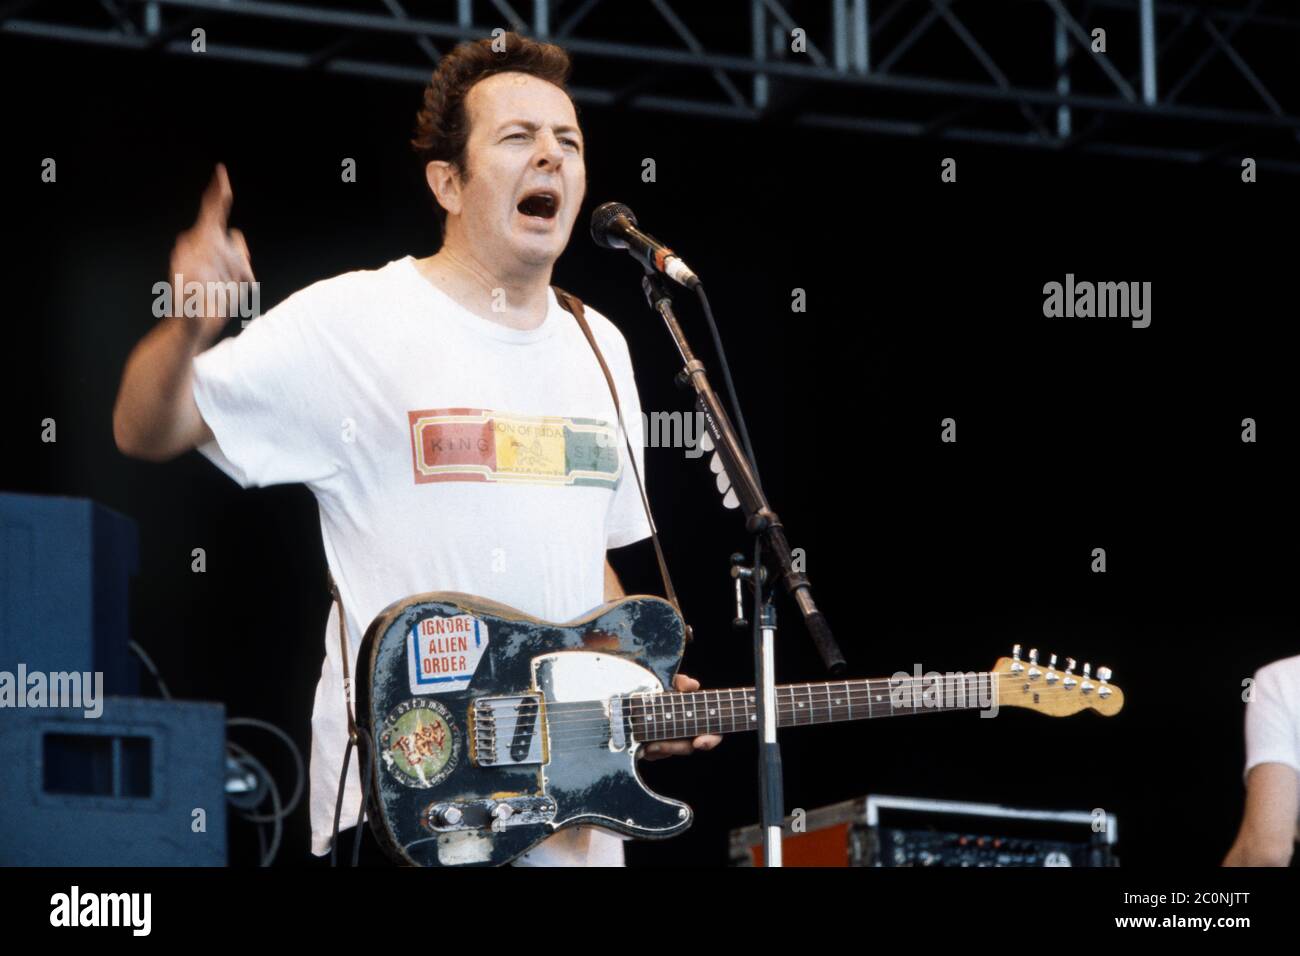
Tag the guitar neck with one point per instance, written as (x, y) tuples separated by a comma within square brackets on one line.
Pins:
[(669, 716)]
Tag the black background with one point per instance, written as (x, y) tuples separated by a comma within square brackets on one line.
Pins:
[(924, 300)]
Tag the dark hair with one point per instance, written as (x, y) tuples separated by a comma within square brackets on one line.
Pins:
[(442, 124)]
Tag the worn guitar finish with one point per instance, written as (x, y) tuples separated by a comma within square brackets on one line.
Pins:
[(483, 730), (551, 765)]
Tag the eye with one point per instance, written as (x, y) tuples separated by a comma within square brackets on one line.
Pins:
[(570, 142)]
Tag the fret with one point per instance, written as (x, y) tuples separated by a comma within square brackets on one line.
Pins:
[(830, 713), (848, 699)]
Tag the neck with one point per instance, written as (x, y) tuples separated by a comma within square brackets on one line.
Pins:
[(670, 716), (515, 298)]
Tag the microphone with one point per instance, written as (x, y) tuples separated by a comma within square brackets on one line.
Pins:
[(613, 226)]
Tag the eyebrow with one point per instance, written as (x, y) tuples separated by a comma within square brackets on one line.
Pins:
[(529, 125)]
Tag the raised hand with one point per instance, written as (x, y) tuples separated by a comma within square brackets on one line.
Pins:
[(209, 251)]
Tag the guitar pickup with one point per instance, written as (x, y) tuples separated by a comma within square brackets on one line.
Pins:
[(510, 731)]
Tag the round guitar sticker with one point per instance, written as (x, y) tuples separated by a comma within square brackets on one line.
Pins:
[(420, 743)]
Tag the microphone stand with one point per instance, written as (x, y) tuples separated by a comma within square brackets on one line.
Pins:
[(769, 539)]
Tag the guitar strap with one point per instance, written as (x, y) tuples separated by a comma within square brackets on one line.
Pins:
[(573, 305)]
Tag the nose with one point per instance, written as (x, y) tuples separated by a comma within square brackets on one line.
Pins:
[(549, 152)]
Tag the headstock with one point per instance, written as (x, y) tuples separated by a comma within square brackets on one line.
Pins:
[(1053, 692)]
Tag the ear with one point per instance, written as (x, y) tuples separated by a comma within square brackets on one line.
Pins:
[(444, 180)]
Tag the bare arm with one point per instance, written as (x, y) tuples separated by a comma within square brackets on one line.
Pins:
[(155, 417), (1269, 826), (613, 586)]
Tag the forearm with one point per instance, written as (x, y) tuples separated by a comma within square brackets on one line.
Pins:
[(1250, 851), (613, 586), (154, 417)]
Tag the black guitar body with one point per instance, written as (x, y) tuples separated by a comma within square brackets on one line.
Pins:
[(484, 730)]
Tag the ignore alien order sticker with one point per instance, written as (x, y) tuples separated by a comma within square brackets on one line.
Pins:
[(443, 652), (420, 743)]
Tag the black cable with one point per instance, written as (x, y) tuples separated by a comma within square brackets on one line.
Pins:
[(363, 765), (730, 385), (338, 803), (256, 766), (301, 777), (149, 666)]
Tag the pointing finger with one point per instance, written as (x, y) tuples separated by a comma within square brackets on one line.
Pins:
[(215, 205)]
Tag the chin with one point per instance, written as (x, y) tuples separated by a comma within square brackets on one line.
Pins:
[(539, 253)]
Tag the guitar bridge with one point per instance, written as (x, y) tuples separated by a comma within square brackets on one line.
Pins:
[(510, 731)]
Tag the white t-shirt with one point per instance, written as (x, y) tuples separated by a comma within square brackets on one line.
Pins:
[(1273, 717), (446, 453)]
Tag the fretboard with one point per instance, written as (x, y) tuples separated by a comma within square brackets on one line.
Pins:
[(732, 710)]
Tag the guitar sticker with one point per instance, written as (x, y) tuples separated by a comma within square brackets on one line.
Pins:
[(442, 653), (420, 743)]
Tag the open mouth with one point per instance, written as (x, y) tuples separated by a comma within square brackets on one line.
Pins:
[(543, 204)]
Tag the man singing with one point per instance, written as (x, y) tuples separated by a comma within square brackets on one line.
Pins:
[(328, 389)]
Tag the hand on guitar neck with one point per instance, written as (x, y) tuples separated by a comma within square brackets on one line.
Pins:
[(659, 749)]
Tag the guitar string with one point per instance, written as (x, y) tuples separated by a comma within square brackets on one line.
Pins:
[(852, 686), (593, 735), (578, 729), (684, 712), (560, 713), (579, 742)]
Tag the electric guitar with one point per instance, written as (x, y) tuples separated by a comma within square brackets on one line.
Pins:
[(484, 730)]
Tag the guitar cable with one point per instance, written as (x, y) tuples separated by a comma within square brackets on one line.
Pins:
[(240, 759)]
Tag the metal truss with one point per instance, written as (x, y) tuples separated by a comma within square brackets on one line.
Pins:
[(1184, 80)]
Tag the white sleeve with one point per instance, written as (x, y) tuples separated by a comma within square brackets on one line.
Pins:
[(626, 521), (268, 395), (1272, 723)]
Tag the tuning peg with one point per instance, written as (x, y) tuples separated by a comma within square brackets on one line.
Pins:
[(1052, 676), (1034, 673), (1087, 686), (1016, 666), (1033, 655), (1069, 681), (1103, 675)]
